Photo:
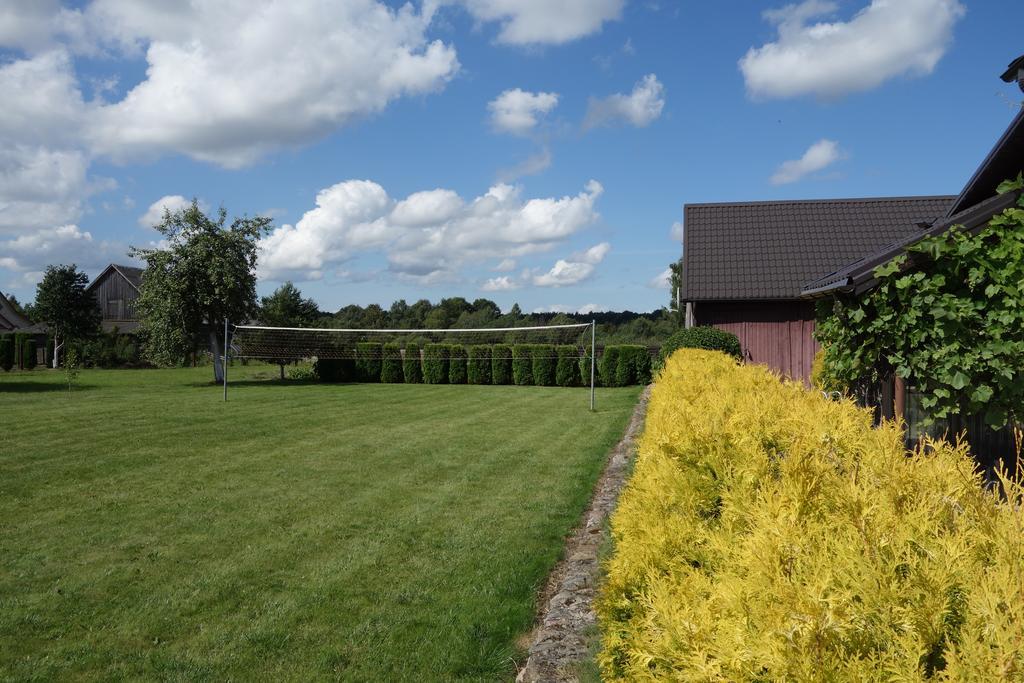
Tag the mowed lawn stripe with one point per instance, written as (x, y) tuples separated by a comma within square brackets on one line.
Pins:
[(300, 531)]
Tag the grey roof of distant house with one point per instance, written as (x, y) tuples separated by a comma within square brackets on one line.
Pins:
[(770, 250)]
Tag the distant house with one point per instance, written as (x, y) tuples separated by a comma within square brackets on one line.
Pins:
[(11, 320), (745, 265), (116, 289)]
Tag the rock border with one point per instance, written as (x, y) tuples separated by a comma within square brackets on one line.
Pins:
[(561, 640)]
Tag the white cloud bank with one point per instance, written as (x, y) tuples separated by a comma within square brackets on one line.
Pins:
[(575, 269), (888, 38), (818, 156), (155, 213), (639, 108), (427, 237), (518, 112), (533, 22)]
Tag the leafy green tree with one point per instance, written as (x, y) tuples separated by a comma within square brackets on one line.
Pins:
[(286, 308), (65, 307), (204, 276), (953, 325)]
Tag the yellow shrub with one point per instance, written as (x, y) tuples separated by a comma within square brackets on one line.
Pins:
[(769, 534)]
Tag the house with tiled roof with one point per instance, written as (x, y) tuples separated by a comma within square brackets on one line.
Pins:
[(757, 268)]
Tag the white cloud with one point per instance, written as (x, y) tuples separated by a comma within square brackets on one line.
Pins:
[(533, 164), (638, 108), (31, 252), (818, 156), (518, 111), (155, 213), (427, 237), (662, 280), (575, 270), (499, 284), (40, 187), (581, 310), (676, 231), (229, 81), (526, 22), (506, 265), (888, 38), (591, 308)]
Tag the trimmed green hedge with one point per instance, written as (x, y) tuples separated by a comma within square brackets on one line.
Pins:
[(6, 352), (435, 364), (479, 370), (710, 338), (501, 364), (28, 354), (412, 368), (522, 364), (567, 370), (391, 364), (608, 367), (368, 361), (335, 369), (457, 362), (544, 362), (634, 365)]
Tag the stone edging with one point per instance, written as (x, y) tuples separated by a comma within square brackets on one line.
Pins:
[(560, 640)]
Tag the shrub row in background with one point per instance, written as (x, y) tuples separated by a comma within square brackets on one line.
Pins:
[(17, 351), (521, 364), (770, 534)]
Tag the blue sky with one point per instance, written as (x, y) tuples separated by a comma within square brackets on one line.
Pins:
[(522, 150)]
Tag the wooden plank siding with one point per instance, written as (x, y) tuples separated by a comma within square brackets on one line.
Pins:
[(116, 297), (779, 334)]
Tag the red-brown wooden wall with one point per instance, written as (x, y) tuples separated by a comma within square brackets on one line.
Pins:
[(779, 334)]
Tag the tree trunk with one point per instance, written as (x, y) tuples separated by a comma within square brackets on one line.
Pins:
[(56, 352), (218, 366)]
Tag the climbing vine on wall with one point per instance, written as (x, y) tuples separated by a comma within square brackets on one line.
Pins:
[(952, 323)]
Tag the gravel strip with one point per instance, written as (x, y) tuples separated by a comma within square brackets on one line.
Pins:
[(560, 641)]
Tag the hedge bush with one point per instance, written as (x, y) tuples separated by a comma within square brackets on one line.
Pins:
[(545, 362), (6, 352), (368, 361), (28, 354), (435, 364), (586, 367), (457, 362), (634, 365), (412, 367), (522, 364), (501, 364), (608, 366), (567, 369), (391, 364), (335, 370), (19, 350), (769, 534), (479, 371), (710, 338)]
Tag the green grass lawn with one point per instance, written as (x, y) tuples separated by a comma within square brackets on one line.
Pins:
[(298, 532)]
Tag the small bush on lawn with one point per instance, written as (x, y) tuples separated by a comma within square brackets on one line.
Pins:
[(391, 364), (335, 370), (544, 364), (709, 338), (501, 364), (368, 361), (302, 373), (769, 534), (567, 370), (28, 354), (522, 364), (457, 361), (435, 364), (479, 371), (412, 368), (608, 366), (6, 352)]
